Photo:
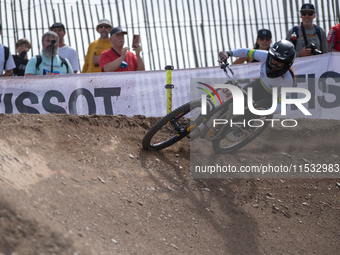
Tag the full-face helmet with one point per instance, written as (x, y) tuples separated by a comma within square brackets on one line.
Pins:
[(282, 51)]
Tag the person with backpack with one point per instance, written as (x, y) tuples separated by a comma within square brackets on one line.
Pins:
[(48, 62), (308, 38), (65, 50), (6, 59)]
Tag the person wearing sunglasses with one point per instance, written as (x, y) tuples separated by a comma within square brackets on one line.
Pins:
[(263, 41), (96, 48), (308, 39)]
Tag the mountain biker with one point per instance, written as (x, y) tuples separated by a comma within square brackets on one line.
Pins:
[(276, 71)]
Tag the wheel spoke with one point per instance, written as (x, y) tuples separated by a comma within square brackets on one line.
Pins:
[(171, 128)]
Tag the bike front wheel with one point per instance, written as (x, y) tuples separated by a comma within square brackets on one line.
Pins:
[(172, 128), (238, 137)]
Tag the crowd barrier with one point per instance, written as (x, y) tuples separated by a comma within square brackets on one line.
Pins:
[(144, 93)]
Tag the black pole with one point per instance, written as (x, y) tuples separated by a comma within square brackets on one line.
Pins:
[(209, 33), (80, 28), (85, 19), (15, 23), (162, 35), (198, 39), (29, 21), (22, 18), (180, 36), (6, 27), (251, 26), (52, 42), (94, 34), (192, 37), (174, 33), (275, 32), (75, 38), (47, 16), (66, 23)]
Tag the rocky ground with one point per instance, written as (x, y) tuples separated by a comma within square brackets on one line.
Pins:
[(84, 185)]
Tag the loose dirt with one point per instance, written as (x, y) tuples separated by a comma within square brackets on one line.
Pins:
[(84, 185)]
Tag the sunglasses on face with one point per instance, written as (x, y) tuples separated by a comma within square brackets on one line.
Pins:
[(106, 26), (267, 38), (304, 13)]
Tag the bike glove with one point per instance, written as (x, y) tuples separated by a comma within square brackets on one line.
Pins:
[(223, 55)]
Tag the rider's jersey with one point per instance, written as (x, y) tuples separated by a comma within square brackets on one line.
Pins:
[(286, 80)]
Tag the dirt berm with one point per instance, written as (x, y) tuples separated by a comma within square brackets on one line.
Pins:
[(84, 185)]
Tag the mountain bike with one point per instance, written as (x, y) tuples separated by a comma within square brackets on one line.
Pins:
[(188, 121)]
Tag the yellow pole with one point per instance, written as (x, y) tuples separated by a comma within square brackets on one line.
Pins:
[(169, 86)]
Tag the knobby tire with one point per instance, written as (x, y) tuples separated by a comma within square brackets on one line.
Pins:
[(222, 150), (176, 115)]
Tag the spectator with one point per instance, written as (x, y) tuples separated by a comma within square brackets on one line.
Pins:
[(6, 59), (118, 58), (22, 46), (334, 31), (49, 62), (65, 51), (308, 39), (263, 41), (97, 47)]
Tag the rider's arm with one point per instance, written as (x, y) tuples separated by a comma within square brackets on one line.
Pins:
[(259, 55), (241, 53), (242, 60)]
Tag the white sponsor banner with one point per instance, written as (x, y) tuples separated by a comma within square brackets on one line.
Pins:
[(134, 93)]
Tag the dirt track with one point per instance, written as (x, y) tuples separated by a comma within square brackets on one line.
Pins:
[(83, 185)]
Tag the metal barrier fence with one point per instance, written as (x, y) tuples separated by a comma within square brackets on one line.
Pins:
[(182, 33)]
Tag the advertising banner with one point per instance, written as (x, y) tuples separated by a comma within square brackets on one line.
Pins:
[(144, 93)]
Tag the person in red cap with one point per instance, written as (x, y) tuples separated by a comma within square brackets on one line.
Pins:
[(119, 58), (96, 48), (308, 39)]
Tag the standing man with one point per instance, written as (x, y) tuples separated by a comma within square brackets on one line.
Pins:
[(42, 64), (308, 39), (96, 48), (118, 58), (65, 51), (334, 32), (6, 59)]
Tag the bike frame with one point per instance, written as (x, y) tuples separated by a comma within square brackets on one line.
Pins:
[(224, 138), (223, 111)]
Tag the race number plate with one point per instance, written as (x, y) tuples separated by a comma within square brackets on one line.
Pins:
[(226, 93)]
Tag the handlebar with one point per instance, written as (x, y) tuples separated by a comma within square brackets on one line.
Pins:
[(225, 65)]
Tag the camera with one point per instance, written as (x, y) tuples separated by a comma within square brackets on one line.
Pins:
[(315, 51)]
